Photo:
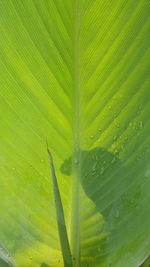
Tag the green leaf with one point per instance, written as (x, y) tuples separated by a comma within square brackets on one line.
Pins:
[(146, 262), (75, 72), (6, 259), (65, 247)]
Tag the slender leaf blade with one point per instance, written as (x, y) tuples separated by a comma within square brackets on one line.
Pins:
[(60, 217)]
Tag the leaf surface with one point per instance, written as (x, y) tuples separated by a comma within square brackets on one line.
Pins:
[(75, 73)]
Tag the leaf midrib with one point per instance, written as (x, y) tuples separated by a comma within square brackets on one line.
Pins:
[(75, 205)]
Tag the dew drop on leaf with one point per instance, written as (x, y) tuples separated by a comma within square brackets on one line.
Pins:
[(117, 214), (115, 138), (140, 107), (147, 173), (113, 160), (94, 165), (102, 170), (141, 125), (122, 146), (117, 124), (76, 161)]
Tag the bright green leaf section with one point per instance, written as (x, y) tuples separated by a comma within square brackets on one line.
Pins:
[(75, 72)]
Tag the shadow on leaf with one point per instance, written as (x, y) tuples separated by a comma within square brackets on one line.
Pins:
[(101, 175), (4, 264), (44, 265)]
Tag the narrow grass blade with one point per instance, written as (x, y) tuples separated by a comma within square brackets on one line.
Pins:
[(66, 251)]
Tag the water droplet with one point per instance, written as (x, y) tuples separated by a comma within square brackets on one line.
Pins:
[(42, 160), (13, 168), (130, 124), (141, 125), (117, 214), (113, 146), (113, 160), (123, 197), (117, 124), (115, 138), (140, 107), (147, 173), (100, 130), (94, 165), (102, 170), (75, 161), (91, 136), (122, 146)]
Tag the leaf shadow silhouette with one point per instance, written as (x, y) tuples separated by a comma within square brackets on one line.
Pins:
[(101, 177), (4, 263)]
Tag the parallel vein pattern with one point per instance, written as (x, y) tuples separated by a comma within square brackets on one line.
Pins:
[(75, 73)]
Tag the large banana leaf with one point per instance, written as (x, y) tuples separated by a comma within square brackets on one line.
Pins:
[(75, 72)]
